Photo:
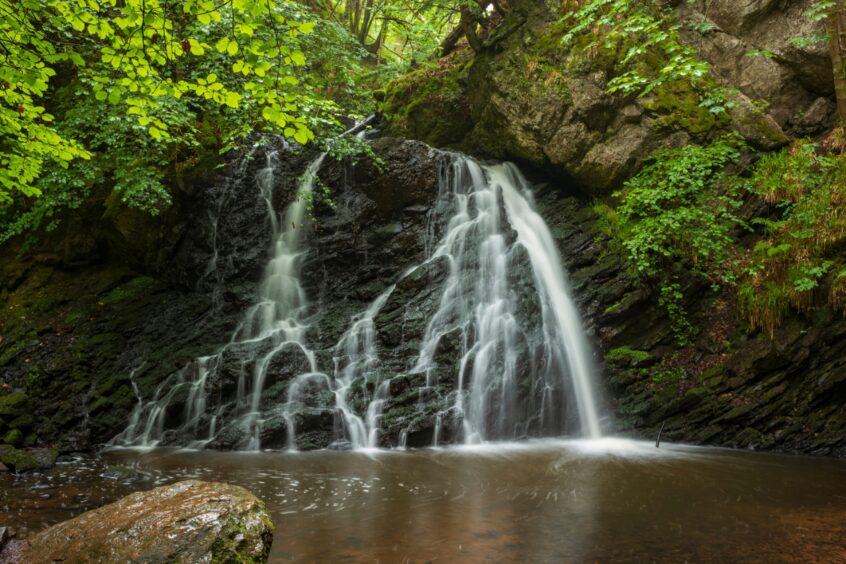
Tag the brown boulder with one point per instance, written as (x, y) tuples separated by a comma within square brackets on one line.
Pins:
[(189, 521)]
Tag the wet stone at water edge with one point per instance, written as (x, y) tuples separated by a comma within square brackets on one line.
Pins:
[(188, 521)]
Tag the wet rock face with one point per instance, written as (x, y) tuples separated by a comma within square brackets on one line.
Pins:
[(82, 338), (189, 521), (530, 98), (110, 301), (86, 334), (730, 387)]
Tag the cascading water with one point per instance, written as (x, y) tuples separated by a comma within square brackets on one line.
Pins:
[(491, 227), (486, 226), (520, 364), (356, 359), (277, 317), (562, 323), (275, 323)]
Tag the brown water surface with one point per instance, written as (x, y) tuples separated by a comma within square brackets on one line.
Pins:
[(548, 501)]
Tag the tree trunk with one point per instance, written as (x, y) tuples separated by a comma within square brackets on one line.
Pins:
[(450, 42), (366, 22), (837, 33), (468, 24)]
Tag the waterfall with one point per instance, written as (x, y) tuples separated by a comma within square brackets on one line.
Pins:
[(565, 328), (356, 357), (275, 323), (482, 224), (518, 361), (277, 316), (489, 225)]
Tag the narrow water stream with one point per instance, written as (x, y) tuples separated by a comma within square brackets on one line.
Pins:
[(545, 501)]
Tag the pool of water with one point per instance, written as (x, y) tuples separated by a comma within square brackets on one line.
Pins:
[(548, 501)]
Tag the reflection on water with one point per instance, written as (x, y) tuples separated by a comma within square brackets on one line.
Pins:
[(547, 501)]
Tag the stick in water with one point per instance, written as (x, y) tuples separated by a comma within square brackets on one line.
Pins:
[(661, 430)]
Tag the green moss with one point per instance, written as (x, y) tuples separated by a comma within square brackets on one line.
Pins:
[(129, 290), (430, 103), (14, 438), (626, 356), (13, 404), (680, 106), (712, 377), (668, 376), (237, 542), (74, 316), (20, 460)]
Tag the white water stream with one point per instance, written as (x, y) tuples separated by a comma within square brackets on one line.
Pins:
[(480, 301), (518, 371)]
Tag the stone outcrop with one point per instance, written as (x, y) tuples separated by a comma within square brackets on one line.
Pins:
[(756, 47), (85, 335), (188, 521), (529, 97)]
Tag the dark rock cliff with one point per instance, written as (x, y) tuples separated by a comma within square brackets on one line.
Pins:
[(110, 302), (114, 303)]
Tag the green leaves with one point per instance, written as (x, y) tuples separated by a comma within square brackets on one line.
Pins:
[(820, 10), (227, 45), (196, 47), (808, 187), (142, 55), (648, 38), (684, 209), (680, 209)]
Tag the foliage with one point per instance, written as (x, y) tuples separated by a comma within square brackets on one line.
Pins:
[(681, 209), (408, 30), (102, 94), (643, 38), (142, 55), (808, 190)]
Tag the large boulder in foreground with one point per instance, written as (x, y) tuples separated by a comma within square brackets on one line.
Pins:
[(189, 521)]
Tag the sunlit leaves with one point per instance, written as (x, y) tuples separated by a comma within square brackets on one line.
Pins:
[(141, 53)]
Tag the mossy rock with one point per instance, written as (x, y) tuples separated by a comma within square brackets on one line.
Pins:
[(430, 104), (188, 521), (680, 107), (19, 460), (14, 404), (14, 438), (629, 357)]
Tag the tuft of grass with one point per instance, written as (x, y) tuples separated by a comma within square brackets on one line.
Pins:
[(807, 189)]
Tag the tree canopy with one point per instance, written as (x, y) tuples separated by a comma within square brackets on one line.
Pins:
[(147, 56)]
